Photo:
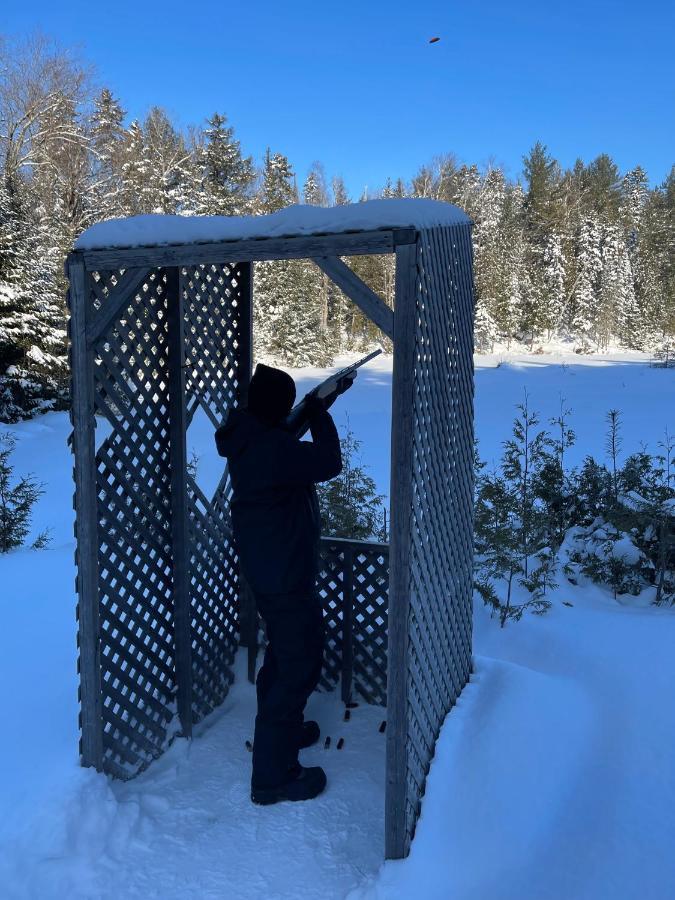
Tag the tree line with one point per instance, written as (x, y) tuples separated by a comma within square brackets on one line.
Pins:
[(586, 253)]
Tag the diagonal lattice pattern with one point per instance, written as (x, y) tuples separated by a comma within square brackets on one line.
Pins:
[(133, 482), (439, 621), (353, 586), (214, 325), (133, 500), (370, 573), (149, 610)]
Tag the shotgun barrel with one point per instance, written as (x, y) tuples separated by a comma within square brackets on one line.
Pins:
[(297, 422)]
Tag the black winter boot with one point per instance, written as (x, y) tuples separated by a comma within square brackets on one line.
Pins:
[(304, 784)]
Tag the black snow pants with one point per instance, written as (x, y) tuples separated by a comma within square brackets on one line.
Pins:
[(290, 672)]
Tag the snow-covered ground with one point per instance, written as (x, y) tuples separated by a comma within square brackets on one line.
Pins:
[(553, 776)]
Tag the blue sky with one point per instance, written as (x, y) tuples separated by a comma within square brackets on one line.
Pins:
[(358, 86)]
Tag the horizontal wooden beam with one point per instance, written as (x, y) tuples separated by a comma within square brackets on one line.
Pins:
[(357, 243), (366, 299)]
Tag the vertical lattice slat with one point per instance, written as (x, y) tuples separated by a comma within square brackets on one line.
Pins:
[(86, 532)]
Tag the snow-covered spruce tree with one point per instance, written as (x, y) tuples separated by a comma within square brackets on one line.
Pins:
[(497, 556), (136, 194), (525, 452), (617, 310), (508, 312), (586, 289), (350, 505), (490, 265), (512, 532), (33, 362), (225, 177), (553, 283), (316, 284), (105, 145), (484, 329), (287, 311), (646, 513), (542, 309), (553, 484), (170, 173), (605, 549), (17, 498)]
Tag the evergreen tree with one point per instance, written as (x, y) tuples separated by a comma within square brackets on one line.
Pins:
[(106, 141), (586, 289), (288, 311), (16, 501), (350, 506), (225, 176)]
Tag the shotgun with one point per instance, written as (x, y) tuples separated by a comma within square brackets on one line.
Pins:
[(297, 422)]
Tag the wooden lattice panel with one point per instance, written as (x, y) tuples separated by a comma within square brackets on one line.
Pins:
[(125, 352), (214, 311), (439, 619), (330, 586), (353, 585), (370, 599), (133, 503)]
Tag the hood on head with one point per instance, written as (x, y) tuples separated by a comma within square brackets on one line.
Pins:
[(271, 394)]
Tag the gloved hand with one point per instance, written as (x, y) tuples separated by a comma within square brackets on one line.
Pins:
[(341, 386), (314, 405)]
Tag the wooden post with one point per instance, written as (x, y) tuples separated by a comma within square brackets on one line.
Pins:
[(347, 623), (245, 362), (401, 499), (180, 535), (248, 616), (86, 518)]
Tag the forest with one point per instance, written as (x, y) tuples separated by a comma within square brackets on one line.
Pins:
[(584, 254)]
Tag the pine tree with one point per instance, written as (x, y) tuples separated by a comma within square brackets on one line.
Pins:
[(106, 141), (586, 289), (350, 505), (225, 176), (287, 311), (315, 192), (136, 192), (33, 370), (340, 195), (16, 501)]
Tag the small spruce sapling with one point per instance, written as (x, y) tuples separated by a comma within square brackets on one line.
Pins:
[(16, 502), (524, 456), (350, 505)]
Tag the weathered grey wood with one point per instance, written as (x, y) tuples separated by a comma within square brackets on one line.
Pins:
[(248, 614), (86, 528), (130, 282), (405, 236), (347, 625), (180, 538), (168, 626), (302, 247), (366, 299), (245, 300), (401, 499)]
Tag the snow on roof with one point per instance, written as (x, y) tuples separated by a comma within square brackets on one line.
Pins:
[(371, 215)]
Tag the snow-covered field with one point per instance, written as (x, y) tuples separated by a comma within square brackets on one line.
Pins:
[(553, 776)]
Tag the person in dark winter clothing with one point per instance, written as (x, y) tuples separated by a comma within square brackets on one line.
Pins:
[(276, 525)]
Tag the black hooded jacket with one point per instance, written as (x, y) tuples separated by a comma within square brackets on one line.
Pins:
[(275, 510)]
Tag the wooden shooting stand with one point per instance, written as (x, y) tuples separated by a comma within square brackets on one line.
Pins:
[(160, 332)]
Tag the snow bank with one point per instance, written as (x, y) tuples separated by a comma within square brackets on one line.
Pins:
[(371, 215), (553, 776)]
